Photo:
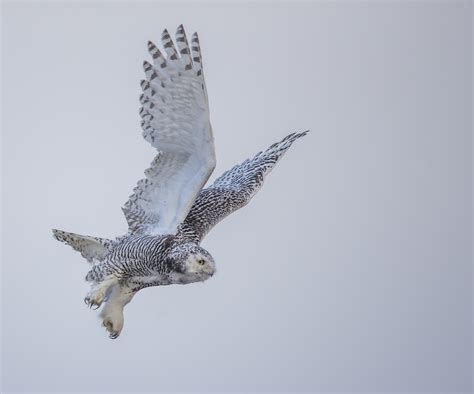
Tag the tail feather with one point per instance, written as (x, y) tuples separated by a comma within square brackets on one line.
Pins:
[(91, 248)]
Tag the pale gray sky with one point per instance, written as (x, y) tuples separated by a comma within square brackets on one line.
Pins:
[(350, 270)]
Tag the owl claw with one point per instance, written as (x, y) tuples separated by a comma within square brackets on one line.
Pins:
[(109, 326), (92, 304), (114, 335), (96, 295)]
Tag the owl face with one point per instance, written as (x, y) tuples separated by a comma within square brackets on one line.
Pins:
[(199, 262), (193, 261)]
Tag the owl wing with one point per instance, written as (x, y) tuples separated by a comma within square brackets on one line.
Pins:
[(232, 190), (175, 120)]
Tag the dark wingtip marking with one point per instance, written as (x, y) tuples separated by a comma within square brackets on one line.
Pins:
[(301, 134), (165, 35), (147, 66)]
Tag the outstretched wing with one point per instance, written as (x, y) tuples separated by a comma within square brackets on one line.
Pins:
[(232, 190), (175, 120)]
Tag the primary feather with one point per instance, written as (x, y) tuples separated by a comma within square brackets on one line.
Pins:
[(175, 121), (233, 190)]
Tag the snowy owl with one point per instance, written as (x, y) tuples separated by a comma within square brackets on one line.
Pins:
[(170, 212)]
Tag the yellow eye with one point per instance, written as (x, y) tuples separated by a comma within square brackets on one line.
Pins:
[(201, 261)]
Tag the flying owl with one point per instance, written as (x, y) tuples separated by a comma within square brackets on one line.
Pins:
[(170, 212)]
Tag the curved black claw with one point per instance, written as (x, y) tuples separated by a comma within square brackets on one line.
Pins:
[(91, 304), (108, 326), (113, 335)]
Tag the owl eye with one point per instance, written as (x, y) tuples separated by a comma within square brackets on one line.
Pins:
[(201, 261)]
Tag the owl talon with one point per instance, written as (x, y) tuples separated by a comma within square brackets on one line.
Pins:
[(93, 304), (114, 335), (113, 325), (96, 296)]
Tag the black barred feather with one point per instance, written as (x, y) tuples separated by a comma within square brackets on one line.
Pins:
[(175, 120), (233, 190), (91, 248)]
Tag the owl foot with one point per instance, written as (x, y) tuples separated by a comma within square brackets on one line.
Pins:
[(112, 320), (114, 328), (96, 295), (94, 300), (112, 313)]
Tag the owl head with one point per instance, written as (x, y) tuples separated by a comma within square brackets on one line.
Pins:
[(192, 260)]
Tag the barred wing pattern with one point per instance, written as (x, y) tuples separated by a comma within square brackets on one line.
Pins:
[(175, 120), (232, 190)]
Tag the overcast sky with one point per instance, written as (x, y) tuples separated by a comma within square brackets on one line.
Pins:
[(349, 271)]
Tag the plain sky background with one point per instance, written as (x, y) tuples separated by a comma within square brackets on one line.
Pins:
[(349, 271)]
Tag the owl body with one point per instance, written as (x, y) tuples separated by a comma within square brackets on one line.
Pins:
[(140, 261), (170, 210)]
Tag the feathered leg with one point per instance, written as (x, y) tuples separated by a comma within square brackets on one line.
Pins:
[(96, 295), (112, 314)]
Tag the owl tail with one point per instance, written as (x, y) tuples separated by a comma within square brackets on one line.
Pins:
[(91, 248)]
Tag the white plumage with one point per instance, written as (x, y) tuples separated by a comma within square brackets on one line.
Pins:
[(175, 120), (169, 212)]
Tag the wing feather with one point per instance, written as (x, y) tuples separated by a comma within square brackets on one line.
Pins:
[(233, 190), (175, 120)]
